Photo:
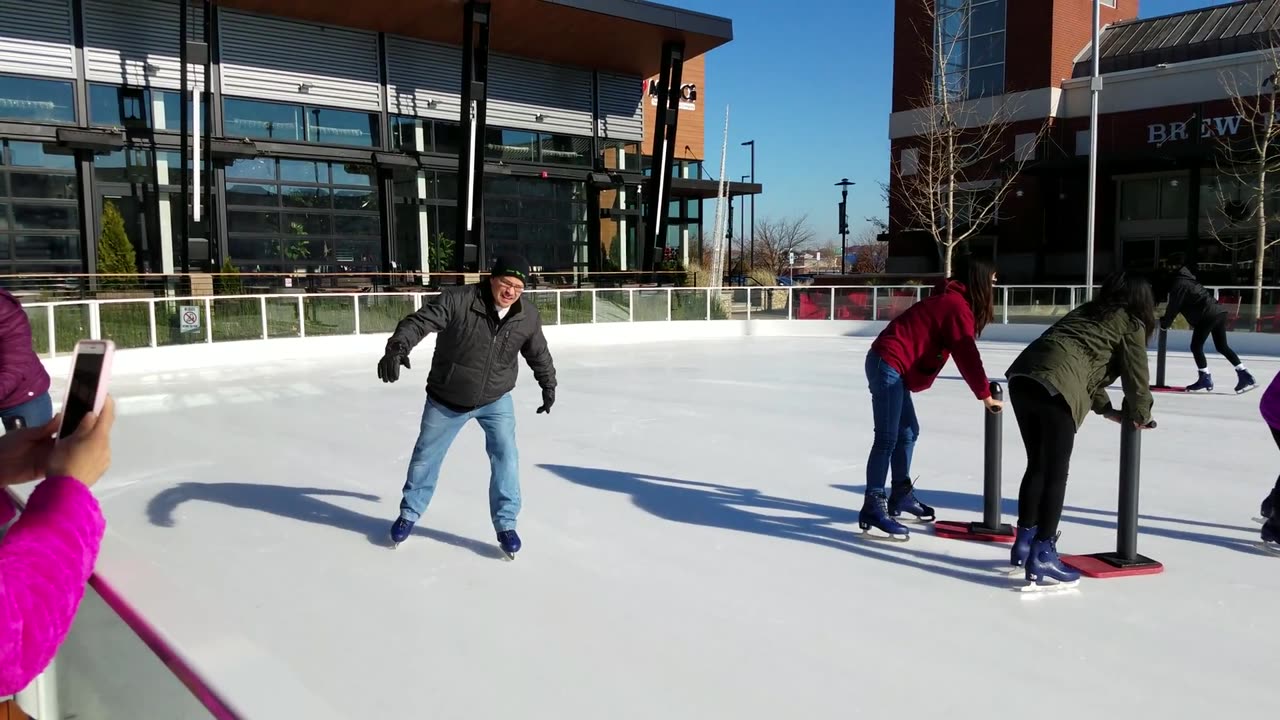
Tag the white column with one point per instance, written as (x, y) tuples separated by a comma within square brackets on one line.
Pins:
[(424, 232), (162, 178)]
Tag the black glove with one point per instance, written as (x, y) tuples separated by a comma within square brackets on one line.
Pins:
[(548, 399), (389, 366)]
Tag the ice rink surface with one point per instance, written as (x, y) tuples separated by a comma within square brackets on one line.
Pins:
[(691, 547)]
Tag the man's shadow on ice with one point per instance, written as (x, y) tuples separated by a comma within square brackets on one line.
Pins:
[(750, 511), (971, 503), (297, 503)]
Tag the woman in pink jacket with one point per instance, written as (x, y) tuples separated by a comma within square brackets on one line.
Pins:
[(46, 557), (1270, 407)]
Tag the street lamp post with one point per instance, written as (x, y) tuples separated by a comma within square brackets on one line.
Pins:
[(752, 143), (1095, 89), (844, 218), (742, 237)]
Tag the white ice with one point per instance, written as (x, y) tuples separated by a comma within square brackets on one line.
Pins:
[(691, 547)]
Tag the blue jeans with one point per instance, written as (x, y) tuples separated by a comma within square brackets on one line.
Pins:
[(35, 412), (896, 426), (440, 426)]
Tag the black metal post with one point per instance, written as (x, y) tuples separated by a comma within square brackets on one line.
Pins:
[(1161, 350), (752, 143), (666, 121), (844, 219), (206, 107), (990, 529), (184, 120), (1125, 560), (475, 75)]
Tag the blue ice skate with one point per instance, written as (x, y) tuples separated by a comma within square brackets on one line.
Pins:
[(1045, 570), (1021, 549), (1204, 384), (903, 499), (400, 530), (875, 513), (509, 541), (1271, 536), (1245, 383)]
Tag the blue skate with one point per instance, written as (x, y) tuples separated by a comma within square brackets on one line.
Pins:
[(875, 513), (903, 499), (1045, 570), (1245, 382), (509, 541), (1204, 384), (400, 530), (1271, 536), (1021, 549)]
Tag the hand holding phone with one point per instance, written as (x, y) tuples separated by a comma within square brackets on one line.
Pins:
[(87, 386), (86, 454)]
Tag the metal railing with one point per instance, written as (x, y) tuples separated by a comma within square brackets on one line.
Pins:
[(160, 322), (110, 653)]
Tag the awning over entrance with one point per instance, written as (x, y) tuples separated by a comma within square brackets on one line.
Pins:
[(707, 189), (623, 36)]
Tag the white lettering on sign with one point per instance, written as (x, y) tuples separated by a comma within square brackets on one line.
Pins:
[(1224, 126), (688, 94)]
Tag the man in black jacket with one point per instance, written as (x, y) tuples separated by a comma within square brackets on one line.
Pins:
[(480, 329), (1206, 317)]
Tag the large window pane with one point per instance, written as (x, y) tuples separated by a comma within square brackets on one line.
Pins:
[(987, 81), (46, 247), (252, 169), (1139, 199), (342, 127), (986, 50), (42, 185), (305, 197), (356, 225), (36, 100), (352, 174), (351, 199), (253, 222), (987, 17), (247, 118), (5, 223), (30, 154), (1173, 198), (242, 194), (46, 217)]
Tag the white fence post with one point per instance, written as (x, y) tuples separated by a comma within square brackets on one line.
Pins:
[(208, 320), (262, 304), (302, 319), (875, 303), (832, 315), (748, 303), (593, 305), (356, 300), (669, 291), (1005, 293), (53, 332), (151, 321), (95, 320), (631, 305), (558, 317), (708, 304)]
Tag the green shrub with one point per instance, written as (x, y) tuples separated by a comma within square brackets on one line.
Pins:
[(115, 253)]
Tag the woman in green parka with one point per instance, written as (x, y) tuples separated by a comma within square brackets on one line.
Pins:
[(1053, 385)]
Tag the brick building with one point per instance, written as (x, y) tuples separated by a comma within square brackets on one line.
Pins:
[(1159, 190)]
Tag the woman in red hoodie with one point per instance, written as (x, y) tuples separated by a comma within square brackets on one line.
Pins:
[(907, 357)]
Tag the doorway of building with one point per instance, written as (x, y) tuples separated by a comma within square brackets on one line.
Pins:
[(130, 202)]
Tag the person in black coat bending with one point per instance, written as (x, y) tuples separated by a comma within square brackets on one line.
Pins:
[(1206, 317)]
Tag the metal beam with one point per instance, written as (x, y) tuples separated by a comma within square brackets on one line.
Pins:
[(665, 123), (471, 118)]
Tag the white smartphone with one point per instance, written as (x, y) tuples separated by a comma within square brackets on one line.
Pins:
[(87, 386)]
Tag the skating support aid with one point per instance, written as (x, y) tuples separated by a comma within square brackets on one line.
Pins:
[(1125, 561), (990, 529), (1162, 348)]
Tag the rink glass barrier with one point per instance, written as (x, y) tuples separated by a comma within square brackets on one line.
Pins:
[(114, 665), (167, 321)]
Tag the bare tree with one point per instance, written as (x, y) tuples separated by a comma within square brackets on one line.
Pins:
[(777, 239), (871, 255), (1246, 164), (954, 175)]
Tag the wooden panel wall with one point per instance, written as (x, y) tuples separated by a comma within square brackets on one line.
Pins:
[(691, 130)]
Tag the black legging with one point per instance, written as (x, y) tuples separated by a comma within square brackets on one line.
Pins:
[(1049, 434), (1217, 327)]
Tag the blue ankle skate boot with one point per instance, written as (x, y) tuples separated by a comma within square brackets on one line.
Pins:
[(400, 530), (875, 513), (1204, 384), (509, 541), (1021, 547), (903, 499), (1045, 570), (1271, 535), (1245, 383)]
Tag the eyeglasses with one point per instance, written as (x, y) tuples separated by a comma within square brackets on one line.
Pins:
[(508, 284)]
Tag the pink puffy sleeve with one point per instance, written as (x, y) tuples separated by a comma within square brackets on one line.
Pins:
[(45, 561)]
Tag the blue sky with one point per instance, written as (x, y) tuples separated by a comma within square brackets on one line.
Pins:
[(810, 83)]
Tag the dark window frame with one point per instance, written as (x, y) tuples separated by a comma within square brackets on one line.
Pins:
[(68, 85), (305, 132), (9, 232)]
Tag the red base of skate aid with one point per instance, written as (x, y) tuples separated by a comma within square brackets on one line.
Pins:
[(990, 529), (1125, 561)]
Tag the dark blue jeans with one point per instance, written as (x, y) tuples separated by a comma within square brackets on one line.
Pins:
[(896, 426), (35, 412)]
